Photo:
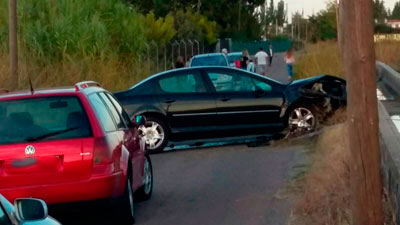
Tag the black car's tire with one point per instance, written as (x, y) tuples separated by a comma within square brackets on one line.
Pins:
[(301, 120), (124, 205), (144, 192), (156, 135)]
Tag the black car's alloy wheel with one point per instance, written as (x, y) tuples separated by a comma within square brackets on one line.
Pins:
[(155, 134), (302, 120)]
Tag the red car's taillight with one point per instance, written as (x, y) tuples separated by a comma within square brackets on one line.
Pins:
[(102, 158)]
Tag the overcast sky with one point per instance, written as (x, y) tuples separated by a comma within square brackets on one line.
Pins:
[(311, 6)]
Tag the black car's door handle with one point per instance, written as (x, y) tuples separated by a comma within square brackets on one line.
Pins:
[(169, 101), (225, 99)]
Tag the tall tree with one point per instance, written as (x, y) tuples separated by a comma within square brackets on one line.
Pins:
[(323, 25), (281, 13), (271, 12), (396, 11), (379, 11)]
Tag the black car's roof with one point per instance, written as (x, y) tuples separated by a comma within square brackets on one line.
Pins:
[(202, 68)]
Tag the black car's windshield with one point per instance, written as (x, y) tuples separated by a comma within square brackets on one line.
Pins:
[(35, 119), (218, 60)]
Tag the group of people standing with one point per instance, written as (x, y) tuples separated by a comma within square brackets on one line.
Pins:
[(263, 60)]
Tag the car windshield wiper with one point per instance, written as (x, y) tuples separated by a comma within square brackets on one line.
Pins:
[(41, 137)]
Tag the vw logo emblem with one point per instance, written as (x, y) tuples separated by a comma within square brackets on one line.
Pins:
[(30, 150)]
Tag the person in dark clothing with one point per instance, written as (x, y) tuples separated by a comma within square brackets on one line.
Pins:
[(179, 63), (245, 59), (270, 53)]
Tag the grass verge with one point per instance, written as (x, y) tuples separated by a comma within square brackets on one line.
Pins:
[(324, 58), (324, 187)]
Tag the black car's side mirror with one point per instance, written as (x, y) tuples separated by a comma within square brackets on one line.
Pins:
[(259, 91), (139, 120), (30, 209)]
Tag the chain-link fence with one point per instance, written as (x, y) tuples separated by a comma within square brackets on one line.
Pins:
[(157, 58)]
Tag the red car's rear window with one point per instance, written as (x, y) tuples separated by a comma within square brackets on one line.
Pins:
[(40, 119)]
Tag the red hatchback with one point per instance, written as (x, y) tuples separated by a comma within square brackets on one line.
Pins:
[(72, 144)]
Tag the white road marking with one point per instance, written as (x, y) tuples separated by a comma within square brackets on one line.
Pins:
[(380, 95), (396, 121)]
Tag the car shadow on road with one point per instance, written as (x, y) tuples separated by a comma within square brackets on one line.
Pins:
[(85, 213)]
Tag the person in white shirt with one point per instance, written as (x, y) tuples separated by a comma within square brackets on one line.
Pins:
[(261, 62)]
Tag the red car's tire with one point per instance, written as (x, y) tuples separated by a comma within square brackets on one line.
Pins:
[(144, 192), (124, 205)]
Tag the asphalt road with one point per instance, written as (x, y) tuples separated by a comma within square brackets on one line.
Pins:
[(231, 185), (278, 69)]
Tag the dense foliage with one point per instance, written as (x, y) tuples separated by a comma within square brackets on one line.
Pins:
[(97, 28), (380, 13), (323, 26), (234, 18), (396, 11)]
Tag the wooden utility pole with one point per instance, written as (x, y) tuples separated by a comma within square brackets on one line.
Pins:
[(13, 78), (357, 30)]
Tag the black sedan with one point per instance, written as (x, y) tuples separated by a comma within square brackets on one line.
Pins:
[(209, 102)]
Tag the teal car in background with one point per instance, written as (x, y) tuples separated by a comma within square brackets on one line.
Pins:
[(233, 58), (212, 59)]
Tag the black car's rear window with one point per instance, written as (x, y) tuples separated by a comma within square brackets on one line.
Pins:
[(39, 119), (209, 61)]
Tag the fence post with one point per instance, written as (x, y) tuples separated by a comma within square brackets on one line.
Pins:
[(173, 51), (191, 43), (165, 57), (198, 46), (148, 56), (157, 56), (184, 44), (172, 54)]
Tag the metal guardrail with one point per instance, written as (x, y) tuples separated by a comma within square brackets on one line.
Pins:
[(388, 76)]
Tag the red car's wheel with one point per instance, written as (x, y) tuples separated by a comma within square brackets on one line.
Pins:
[(144, 193), (125, 205)]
